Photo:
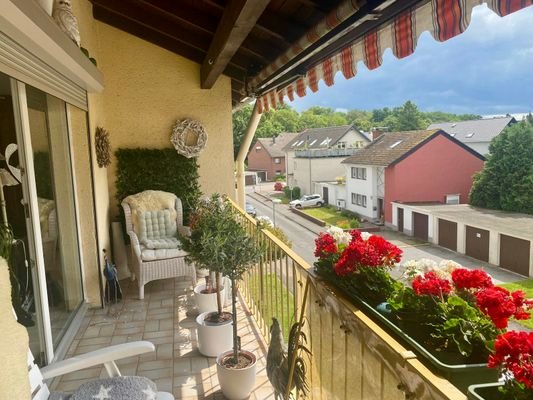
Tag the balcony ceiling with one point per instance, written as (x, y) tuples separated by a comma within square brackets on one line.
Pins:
[(239, 38)]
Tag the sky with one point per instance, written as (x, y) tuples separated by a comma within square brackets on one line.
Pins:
[(488, 70)]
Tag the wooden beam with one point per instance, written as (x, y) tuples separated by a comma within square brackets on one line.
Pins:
[(237, 21)]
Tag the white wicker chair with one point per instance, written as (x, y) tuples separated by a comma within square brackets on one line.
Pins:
[(150, 265)]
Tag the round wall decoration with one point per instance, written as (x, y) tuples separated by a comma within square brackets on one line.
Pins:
[(189, 137), (103, 148)]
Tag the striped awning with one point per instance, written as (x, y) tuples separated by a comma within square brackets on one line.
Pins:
[(444, 19)]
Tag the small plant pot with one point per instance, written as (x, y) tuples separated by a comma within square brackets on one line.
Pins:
[(236, 384), (213, 339), (207, 302)]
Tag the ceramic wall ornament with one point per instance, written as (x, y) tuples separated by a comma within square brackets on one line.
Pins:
[(66, 20), (189, 137), (103, 147)]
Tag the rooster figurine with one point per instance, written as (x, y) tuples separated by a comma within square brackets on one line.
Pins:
[(66, 20), (280, 356)]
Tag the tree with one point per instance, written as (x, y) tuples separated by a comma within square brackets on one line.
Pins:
[(506, 181), (409, 118)]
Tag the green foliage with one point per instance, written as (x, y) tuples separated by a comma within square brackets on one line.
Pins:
[(277, 232), (506, 181), (286, 119), (464, 327), (158, 169)]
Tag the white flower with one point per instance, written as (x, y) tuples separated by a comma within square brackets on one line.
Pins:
[(365, 235), (341, 237)]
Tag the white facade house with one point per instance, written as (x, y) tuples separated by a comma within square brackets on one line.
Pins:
[(316, 155), (364, 189), (478, 133)]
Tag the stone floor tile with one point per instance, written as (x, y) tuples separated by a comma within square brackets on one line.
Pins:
[(158, 373)]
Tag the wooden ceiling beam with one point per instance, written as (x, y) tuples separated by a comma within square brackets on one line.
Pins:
[(155, 22), (237, 21)]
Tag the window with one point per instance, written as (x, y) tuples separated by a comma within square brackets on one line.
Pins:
[(392, 146), (341, 145), (453, 198), (277, 160), (359, 199), (359, 173), (278, 172), (258, 148), (312, 143), (469, 135)]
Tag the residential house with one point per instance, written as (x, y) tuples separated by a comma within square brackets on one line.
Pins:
[(267, 157), (413, 167), (315, 155), (476, 133)]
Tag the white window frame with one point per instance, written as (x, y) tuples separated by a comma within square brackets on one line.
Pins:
[(453, 198), (277, 160)]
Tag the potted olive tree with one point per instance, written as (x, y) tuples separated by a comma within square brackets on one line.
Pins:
[(235, 252), (213, 324), (208, 296)]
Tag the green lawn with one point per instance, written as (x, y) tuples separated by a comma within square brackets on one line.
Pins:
[(331, 217), (281, 196), (272, 284), (526, 286)]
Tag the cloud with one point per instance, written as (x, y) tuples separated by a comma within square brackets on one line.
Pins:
[(485, 70)]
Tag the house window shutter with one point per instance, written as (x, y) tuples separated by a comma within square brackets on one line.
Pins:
[(19, 63)]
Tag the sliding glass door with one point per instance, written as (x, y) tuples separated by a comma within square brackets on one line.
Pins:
[(39, 208)]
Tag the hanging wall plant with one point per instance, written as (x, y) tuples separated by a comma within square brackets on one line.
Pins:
[(103, 148), (189, 137)]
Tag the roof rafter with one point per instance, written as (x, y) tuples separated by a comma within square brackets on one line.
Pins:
[(237, 21)]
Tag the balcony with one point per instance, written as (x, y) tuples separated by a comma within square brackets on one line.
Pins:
[(352, 358), (322, 153)]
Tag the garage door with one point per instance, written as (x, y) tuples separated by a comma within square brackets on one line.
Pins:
[(420, 226), (514, 254), (477, 243), (448, 234), (400, 219)]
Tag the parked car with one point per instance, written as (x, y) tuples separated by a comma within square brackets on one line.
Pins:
[(250, 209), (308, 200)]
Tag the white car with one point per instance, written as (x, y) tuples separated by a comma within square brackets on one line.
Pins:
[(308, 200)]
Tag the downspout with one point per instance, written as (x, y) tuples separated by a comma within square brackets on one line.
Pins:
[(243, 151)]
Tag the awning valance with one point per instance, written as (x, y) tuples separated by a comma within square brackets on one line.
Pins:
[(444, 19)]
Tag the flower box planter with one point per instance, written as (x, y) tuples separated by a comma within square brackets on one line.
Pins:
[(462, 375), (486, 391)]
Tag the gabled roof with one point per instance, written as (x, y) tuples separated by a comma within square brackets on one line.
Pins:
[(392, 147), (477, 130), (319, 138), (274, 147)]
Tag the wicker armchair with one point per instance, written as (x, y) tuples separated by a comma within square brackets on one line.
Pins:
[(152, 232)]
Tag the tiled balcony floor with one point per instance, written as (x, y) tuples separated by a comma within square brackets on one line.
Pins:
[(176, 366)]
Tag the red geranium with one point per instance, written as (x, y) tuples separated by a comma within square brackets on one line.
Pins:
[(513, 351), (471, 279), (373, 252), (430, 284), (500, 305), (325, 245)]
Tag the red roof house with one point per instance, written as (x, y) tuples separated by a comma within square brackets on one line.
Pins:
[(410, 167), (267, 155)]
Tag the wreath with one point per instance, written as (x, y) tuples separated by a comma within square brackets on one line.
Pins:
[(102, 146), (189, 137)]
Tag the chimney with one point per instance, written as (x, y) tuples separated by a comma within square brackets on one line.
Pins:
[(273, 140), (376, 132)]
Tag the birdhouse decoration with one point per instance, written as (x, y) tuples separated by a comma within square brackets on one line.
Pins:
[(66, 20)]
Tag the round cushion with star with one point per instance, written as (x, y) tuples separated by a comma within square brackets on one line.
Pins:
[(118, 388)]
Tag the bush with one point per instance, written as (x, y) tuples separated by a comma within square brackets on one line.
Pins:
[(280, 178), (296, 192), (344, 224), (277, 232), (157, 169), (354, 224), (278, 186), (349, 214)]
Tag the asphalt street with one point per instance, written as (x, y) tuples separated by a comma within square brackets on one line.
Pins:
[(303, 239)]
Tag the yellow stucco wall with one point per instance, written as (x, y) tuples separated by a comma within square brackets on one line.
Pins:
[(146, 90), (14, 382)]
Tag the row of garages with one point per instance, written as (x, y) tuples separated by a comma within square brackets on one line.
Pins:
[(496, 237)]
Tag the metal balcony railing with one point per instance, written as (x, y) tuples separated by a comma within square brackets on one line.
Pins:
[(352, 357), (322, 153)]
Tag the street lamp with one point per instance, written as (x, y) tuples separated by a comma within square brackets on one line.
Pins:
[(274, 202)]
